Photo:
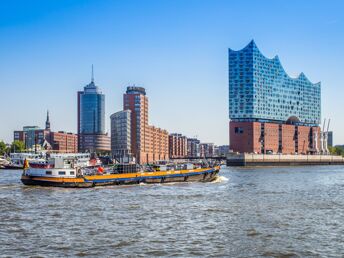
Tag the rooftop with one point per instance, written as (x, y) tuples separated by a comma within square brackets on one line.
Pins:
[(135, 90)]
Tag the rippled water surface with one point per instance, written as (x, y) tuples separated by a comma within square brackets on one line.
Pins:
[(248, 212)]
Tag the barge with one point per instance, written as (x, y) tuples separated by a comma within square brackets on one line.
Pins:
[(64, 172)]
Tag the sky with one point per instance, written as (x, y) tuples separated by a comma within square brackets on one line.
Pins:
[(176, 49)]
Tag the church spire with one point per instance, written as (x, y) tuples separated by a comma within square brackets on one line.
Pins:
[(47, 122)]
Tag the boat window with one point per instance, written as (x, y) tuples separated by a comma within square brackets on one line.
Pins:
[(62, 172), (48, 172), (72, 173)]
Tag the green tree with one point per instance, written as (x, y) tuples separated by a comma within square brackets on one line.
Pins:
[(340, 150), (3, 148), (17, 146), (337, 150)]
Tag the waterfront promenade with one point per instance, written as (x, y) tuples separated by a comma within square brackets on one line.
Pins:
[(250, 159)]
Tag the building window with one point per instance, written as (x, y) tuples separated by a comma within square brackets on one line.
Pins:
[(239, 130)]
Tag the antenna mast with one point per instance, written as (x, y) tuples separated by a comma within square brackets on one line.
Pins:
[(92, 78)]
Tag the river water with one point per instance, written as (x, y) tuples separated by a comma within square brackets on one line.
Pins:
[(247, 212)]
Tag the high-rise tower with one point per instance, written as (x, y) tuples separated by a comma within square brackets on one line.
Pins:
[(91, 119), (136, 101), (148, 143)]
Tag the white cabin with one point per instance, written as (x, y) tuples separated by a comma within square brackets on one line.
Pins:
[(54, 167)]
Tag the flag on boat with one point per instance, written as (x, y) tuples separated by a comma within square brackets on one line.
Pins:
[(26, 164), (100, 170)]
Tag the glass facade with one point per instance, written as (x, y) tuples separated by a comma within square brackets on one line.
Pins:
[(92, 110), (121, 134), (260, 90)]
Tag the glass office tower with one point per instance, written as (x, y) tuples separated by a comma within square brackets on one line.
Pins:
[(92, 110), (91, 120)]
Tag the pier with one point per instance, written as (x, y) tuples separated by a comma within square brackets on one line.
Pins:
[(246, 159)]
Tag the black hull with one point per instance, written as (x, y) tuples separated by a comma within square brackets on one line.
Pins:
[(10, 167), (32, 182)]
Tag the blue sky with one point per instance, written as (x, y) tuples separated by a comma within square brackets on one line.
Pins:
[(176, 49)]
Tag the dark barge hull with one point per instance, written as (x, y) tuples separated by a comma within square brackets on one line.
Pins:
[(36, 182)]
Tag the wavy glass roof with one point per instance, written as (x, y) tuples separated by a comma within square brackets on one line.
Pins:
[(260, 89)]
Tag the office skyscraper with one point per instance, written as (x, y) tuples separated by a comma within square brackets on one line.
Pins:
[(91, 119)]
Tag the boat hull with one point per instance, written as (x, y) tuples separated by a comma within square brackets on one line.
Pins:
[(201, 175), (12, 167)]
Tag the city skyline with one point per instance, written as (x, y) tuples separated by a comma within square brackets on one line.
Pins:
[(177, 51)]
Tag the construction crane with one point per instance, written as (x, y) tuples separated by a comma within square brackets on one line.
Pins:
[(328, 125)]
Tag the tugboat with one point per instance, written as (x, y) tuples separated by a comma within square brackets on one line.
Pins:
[(65, 172)]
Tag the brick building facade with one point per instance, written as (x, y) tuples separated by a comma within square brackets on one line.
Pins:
[(33, 136), (178, 146), (148, 143), (257, 137)]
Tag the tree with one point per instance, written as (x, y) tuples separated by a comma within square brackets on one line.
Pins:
[(17, 146), (337, 150), (340, 150), (3, 148)]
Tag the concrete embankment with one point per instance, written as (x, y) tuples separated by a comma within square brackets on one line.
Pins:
[(245, 159)]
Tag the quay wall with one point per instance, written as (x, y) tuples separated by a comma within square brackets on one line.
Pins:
[(246, 159)]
